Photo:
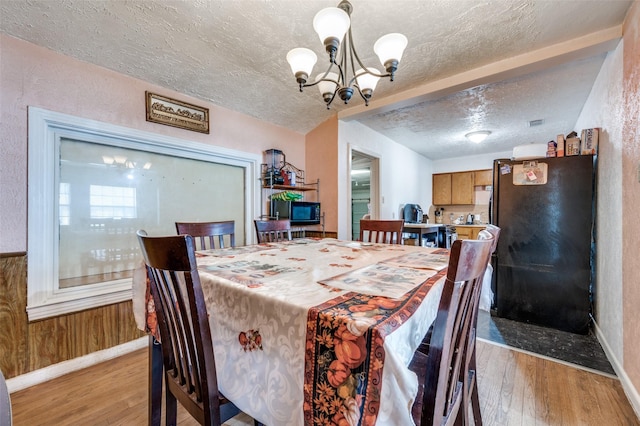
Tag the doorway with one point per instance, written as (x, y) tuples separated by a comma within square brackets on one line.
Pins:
[(364, 184)]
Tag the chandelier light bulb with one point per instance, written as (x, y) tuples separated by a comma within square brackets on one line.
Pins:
[(389, 49), (325, 86), (301, 61), (331, 24), (367, 82)]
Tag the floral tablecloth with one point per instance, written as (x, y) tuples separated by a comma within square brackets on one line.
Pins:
[(320, 332)]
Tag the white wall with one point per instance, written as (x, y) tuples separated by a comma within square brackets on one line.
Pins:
[(463, 164), (603, 109), (405, 176)]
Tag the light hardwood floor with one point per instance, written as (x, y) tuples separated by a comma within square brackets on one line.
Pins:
[(515, 389)]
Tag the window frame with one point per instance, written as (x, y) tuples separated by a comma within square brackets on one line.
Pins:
[(44, 297)]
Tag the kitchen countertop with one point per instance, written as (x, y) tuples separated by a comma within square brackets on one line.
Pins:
[(430, 225)]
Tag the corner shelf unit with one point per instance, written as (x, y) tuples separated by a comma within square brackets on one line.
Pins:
[(269, 187)]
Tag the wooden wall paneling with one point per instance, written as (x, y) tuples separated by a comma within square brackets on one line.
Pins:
[(127, 328), (28, 346), (50, 342), (13, 315), (94, 329)]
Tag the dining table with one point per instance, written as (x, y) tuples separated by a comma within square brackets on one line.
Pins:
[(316, 331)]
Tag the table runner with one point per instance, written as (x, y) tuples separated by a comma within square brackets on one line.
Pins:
[(345, 354)]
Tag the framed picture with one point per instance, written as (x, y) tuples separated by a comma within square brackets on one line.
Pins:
[(171, 112)]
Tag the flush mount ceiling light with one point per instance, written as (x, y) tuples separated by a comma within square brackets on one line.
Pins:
[(477, 137), (333, 24)]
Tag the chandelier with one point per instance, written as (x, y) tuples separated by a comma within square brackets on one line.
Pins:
[(333, 24)]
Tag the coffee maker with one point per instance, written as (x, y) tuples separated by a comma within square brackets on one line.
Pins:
[(413, 213)]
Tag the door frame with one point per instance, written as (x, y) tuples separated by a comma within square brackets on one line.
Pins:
[(374, 189)]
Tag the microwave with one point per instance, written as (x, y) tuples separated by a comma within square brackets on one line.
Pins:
[(298, 212)]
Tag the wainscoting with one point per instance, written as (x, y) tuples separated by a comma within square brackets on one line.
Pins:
[(28, 346)]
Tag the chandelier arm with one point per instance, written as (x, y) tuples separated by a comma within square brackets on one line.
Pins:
[(366, 100), (354, 54), (344, 64), (335, 92), (324, 77)]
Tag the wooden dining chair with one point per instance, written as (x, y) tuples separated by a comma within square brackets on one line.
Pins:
[(187, 348), (381, 231), (470, 387), (207, 233), (495, 233), (269, 231), (441, 371)]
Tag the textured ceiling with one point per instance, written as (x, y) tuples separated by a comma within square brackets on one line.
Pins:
[(232, 53)]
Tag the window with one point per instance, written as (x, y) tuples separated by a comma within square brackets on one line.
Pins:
[(112, 201), (110, 182), (63, 204)]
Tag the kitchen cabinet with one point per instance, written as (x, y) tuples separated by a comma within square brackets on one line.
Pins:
[(483, 177), (441, 189), (453, 188), (468, 232), (462, 191), (459, 187)]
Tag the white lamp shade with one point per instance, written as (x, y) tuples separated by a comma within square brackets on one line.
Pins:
[(301, 60), (327, 86), (367, 81), (390, 47), (478, 137), (331, 22)]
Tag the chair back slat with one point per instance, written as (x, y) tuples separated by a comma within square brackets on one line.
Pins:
[(443, 370), (273, 230), (209, 235), (381, 231), (183, 322)]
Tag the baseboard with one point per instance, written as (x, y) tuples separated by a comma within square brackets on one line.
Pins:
[(56, 370), (632, 393)]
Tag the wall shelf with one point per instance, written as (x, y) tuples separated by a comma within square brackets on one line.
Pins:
[(269, 188), (302, 188)]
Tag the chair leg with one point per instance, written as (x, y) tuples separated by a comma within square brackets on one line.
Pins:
[(171, 407), (466, 394), (475, 402), (155, 382), (471, 393)]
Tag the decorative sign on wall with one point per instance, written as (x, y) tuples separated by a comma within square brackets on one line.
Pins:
[(171, 112)]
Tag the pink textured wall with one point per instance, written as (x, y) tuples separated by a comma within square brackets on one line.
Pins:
[(322, 162), (631, 194), (33, 76)]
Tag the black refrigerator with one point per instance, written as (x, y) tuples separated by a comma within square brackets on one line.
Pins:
[(543, 263)]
